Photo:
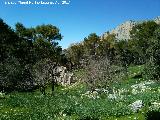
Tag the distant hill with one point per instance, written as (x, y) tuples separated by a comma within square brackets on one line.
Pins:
[(122, 32)]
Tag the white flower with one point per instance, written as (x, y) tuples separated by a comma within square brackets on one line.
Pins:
[(156, 104), (2, 95), (105, 91), (87, 93), (112, 96), (149, 82), (143, 84), (97, 89), (134, 91), (135, 118), (141, 87), (95, 93), (98, 97), (136, 105), (90, 94)]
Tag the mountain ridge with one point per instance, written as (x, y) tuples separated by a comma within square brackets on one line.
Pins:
[(122, 31)]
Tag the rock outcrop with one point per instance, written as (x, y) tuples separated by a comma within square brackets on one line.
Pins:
[(63, 77), (157, 20), (122, 32)]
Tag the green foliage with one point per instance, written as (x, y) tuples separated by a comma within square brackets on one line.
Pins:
[(140, 37), (153, 65), (153, 115), (26, 33), (68, 103), (92, 47), (8, 41), (75, 54), (11, 72), (91, 43), (28, 57), (48, 32), (23, 48), (123, 54)]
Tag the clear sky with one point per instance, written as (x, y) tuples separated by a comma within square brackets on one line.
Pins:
[(81, 17)]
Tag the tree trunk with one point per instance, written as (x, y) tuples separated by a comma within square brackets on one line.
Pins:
[(53, 85), (42, 89)]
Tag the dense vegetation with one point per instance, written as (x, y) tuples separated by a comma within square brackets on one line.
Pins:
[(105, 58), (77, 103), (28, 54), (112, 76)]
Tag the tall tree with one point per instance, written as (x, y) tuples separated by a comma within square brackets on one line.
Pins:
[(91, 43), (75, 54), (10, 68), (140, 35), (153, 63)]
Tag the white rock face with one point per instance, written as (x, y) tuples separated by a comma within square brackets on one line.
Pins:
[(122, 32), (136, 105), (157, 20)]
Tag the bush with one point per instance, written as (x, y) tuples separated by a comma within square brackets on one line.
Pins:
[(152, 70), (101, 72), (153, 115), (11, 73)]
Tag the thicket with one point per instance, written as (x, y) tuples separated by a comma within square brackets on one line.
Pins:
[(99, 56), (29, 55)]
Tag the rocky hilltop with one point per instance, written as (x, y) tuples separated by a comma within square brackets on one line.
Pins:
[(122, 32)]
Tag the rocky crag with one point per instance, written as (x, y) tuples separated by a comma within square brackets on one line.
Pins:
[(122, 32)]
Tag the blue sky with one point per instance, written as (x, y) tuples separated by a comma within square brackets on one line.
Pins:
[(81, 17)]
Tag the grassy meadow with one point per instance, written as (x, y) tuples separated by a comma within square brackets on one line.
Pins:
[(75, 102)]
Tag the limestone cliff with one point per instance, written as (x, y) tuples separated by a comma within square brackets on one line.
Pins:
[(122, 32)]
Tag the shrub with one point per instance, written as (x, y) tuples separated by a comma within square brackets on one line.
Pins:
[(101, 72), (153, 115)]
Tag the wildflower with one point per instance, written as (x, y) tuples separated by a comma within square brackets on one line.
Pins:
[(112, 96), (135, 118), (90, 94), (134, 91), (156, 104), (105, 91), (2, 95), (135, 106)]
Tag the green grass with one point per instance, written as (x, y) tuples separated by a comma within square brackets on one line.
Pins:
[(135, 70), (136, 116), (69, 104)]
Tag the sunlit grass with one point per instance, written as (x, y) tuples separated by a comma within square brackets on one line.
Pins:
[(67, 103)]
